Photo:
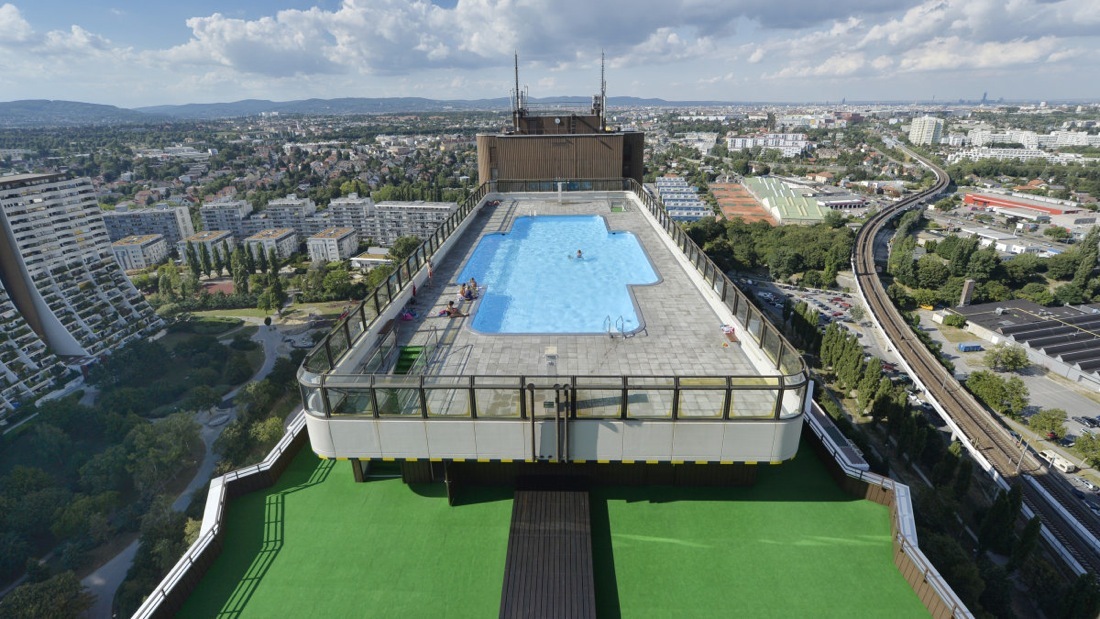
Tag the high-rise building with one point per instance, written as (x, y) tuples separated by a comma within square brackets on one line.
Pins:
[(593, 417), (355, 212), (419, 219), (926, 130), (59, 270), (171, 222)]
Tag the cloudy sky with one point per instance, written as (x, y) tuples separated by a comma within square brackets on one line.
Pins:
[(130, 53)]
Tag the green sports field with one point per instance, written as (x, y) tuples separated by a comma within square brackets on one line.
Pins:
[(317, 544)]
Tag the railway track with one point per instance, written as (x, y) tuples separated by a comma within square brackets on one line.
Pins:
[(986, 434)]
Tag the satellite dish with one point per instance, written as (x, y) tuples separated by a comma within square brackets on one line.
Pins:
[(557, 121)]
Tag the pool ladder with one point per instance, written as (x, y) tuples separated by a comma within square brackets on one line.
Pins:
[(619, 325)]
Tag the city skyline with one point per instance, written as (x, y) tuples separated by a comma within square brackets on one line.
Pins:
[(123, 53)]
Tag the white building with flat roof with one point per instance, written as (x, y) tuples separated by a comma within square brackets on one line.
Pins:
[(419, 219), (140, 251), (332, 244), (220, 241), (171, 222), (283, 241)]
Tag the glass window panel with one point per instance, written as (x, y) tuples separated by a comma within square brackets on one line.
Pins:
[(702, 397)]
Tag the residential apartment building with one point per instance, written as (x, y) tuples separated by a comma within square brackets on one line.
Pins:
[(355, 212), (58, 269), (419, 218), (289, 212), (282, 241), (139, 252), (228, 215), (788, 144), (333, 244), (926, 130), (171, 222), (221, 242)]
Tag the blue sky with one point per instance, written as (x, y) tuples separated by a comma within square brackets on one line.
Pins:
[(130, 54)]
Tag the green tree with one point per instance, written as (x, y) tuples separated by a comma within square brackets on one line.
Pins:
[(193, 261), (402, 248), (58, 597), (205, 260), (1049, 421), (1006, 357), (931, 272)]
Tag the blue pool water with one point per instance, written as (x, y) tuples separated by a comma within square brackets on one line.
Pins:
[(533, 283)]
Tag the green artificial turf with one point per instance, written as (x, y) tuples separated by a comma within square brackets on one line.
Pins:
[(793, 545), (319, 545)]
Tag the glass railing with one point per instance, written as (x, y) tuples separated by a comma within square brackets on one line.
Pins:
[(372, 393)]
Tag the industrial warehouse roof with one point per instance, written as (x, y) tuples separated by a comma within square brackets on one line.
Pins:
[(1068, 334)]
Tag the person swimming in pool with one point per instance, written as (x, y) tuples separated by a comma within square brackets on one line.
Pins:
[(580, 256)]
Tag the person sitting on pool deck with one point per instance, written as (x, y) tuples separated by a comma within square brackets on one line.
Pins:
[(473, 287), (452, 311), (464, 293)]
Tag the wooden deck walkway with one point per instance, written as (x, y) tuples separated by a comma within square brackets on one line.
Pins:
[(548, 572)]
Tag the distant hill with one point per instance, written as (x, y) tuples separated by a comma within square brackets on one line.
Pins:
[(388, 105), (45, 113)]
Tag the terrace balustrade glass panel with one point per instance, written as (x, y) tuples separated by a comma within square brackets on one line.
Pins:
[(599, 396), (772, 343), (355, 326), (313, 398), (791, 405), (448, 396), (350, 400), (397, 397), (496, 399), (790, 362), (702, 397), (649, 397), (753, 397), (383, 297), (741, 310), (755, 324), (317, 360), (338, 344)]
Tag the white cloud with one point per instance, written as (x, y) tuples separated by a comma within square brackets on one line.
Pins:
[(13, 28), (395, 47)]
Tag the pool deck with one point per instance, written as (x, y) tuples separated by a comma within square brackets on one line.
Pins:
[(316, 544), (682, 335)]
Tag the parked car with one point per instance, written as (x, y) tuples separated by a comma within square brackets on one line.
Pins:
[(1086, 483)]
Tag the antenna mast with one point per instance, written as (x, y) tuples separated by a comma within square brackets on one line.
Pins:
[(603, 93)]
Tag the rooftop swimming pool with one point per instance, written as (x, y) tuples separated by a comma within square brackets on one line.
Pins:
[(533, 281)]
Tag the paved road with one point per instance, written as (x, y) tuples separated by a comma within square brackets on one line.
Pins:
[(104, 582)]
